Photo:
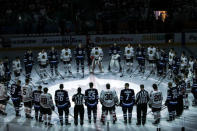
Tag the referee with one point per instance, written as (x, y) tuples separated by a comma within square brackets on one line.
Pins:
[(78, 99), (142, 98)]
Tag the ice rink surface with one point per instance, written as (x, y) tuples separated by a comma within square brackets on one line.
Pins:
[(188, 119)]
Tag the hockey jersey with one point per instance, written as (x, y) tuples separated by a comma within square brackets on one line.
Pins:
[(129, 52), (15, 92), (78, 99), (127, 97), (62, 99), (27, 93), (79, 53), (28, 59), (42, 58), (108, 98), (91, 97), (114, 50), (17, 66), (46, 100), (172, 96), (156, 98), (171, 57), (36, 97), (97, 53), (66, 55), (3, 92), (184, 60), (53, 57)]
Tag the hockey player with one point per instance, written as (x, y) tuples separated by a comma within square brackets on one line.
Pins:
[(155, 103), (194, 90), (152, 58), (170, 61), (2, 70), (97, 57), (142, 99), (80, 56), (16, 96), (109, 100), (176, 65), (36, 102), (140, 56), (63, 104), (183, 64), (78, 99), (53, 60), (27, 98), (6, 64), (46, 104), (17, 68), (127, 101), (129, 55), (161, 63), (3, 97), (28, 61), (43, 62), (171, 101), (91, 101), (115, 53), (89, 47), (187, 91), (181, 90), (66, 58)]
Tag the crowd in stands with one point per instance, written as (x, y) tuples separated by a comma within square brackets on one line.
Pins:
[(98, 16)]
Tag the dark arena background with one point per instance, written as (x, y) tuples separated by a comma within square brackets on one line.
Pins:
[(119, 46)]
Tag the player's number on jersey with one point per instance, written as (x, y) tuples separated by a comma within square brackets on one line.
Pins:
[(91, 96), (13, 91), (44, 101), (127, 96), (157, 98), (108, 96), (24, 92), (60, 98)]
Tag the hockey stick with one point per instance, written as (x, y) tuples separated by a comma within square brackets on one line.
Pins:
[(49, 76), (162, 108), (123, 69), (135, 70), (40, 77), (163, 78), (60, 75), (149, 74)]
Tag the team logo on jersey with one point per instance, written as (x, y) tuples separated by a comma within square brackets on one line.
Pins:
[(43, 56), (96, 53), (128, 51), (151, 52), (66, 54)]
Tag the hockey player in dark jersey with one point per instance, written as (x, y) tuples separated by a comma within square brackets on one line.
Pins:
[(36, 103), (127, 101), (176, 65), (63, 104), (78, 99), (28, 61), (161, 63), (115, 53), (6, 64), (172, 101), (140, 56), (194, 90), (15, 92), (80, 56), (53, 61), (91, 101)]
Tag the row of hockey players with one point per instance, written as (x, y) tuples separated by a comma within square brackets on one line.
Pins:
[(43, 103), (166, 64)]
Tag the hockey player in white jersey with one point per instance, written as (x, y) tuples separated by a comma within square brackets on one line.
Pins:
[(129, 55), (155, 103), (191, 63), (47, 106), (43, 63), (184, 64), (16, 64), (97, 57), (27, 98), (170, 61), (109, 100), (3, 97), (2, 70), (152, 58), (66, 58)]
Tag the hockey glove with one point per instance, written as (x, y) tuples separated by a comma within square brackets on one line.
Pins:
[(53, 108), (8, 97), (150, 105)]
